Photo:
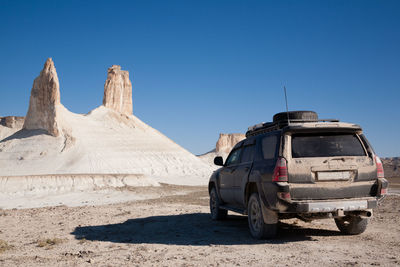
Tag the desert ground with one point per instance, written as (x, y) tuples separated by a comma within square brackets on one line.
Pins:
[(171, 226)]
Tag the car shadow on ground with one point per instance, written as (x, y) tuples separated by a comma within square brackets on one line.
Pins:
[(191, 229)]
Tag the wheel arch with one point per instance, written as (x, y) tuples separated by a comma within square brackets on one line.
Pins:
[(251, 187), (211, 184)]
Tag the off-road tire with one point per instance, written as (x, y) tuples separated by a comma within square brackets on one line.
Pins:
[(259, 229), (351, 225), (296, 115), (216, 212)]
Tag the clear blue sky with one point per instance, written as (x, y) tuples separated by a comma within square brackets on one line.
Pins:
[(203, 67)]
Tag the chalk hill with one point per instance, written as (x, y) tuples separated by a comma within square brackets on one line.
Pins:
[(106, 140)]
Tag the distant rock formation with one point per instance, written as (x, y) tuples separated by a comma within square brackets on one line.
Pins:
[(118, 91), (226, 142), (391, 167), (223, 147), (45, 98), (12, 121)]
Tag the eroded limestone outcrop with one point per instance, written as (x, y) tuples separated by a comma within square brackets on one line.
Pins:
[(118, 91), (226, 142), (12, 121), (44, 101)]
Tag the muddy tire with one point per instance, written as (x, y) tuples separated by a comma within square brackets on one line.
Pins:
[(352, 225), (216, 212), (258, 228)]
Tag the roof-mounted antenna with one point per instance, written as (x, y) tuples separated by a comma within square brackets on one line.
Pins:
[(287, 109)]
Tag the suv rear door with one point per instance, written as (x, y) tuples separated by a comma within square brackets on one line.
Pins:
[(326, 165)]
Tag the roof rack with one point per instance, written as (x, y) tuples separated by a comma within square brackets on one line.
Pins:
[(279, 123), (261, 128)]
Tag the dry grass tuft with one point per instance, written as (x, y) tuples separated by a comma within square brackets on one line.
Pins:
[(3, 212), (48, 242), (4, 246)]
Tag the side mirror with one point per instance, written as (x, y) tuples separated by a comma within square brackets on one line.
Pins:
[(218, 161)]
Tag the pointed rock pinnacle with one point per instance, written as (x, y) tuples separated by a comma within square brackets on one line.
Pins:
[(118, 91), (45, 97)]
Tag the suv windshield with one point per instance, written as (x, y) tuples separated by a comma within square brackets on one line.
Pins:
[(326, 145)]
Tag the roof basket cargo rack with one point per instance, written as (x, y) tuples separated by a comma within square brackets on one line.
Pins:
[(284, 119)]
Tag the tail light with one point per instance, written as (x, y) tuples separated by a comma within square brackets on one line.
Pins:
[(284, 195), (379, 167), (280, 171), (383, 191)]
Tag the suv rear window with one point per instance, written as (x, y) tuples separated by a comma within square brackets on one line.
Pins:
[(326, 145), (248, 153)]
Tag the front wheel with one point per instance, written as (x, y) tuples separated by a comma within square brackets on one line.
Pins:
[(216, 212), (352, 225), (258, 228)]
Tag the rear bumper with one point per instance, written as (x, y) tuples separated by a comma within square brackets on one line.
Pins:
[(330, 206), (328, 200), (329, 191)]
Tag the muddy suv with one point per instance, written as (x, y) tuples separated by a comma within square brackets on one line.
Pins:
[(299, 166)]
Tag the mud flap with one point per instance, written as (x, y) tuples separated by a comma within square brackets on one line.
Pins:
[(269, 216)]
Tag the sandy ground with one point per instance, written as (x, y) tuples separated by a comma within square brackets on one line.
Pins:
[(174, 229)]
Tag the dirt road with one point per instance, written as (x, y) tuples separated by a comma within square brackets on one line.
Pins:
[(175, 229)]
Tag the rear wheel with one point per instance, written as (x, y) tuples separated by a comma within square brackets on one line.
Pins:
[(352, 225), (216, 212), (258, 228)]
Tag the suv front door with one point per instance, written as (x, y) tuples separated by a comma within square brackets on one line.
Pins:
[(227, 175), (242, 171)]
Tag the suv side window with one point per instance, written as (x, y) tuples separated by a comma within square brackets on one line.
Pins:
[(248, 153), (233, 157), (269, 146)]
